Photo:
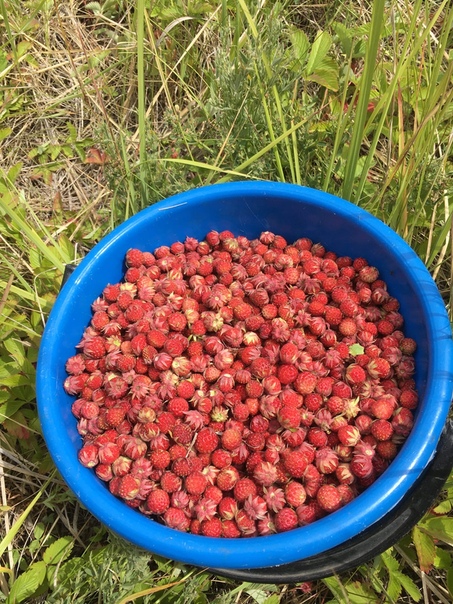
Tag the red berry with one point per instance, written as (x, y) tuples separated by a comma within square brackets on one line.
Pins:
[(328, 498), (285, 520)]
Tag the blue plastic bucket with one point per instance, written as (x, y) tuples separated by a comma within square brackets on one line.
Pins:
[(248, 208)]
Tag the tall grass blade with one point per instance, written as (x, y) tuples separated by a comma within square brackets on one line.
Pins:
[(377, 19), (8, 538), (408, 57), (249, 18), (141, 108), (59, 260)]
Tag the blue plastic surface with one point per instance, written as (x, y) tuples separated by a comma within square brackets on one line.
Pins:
[(247, 209)]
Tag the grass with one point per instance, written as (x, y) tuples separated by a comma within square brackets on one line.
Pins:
[(107, 107)]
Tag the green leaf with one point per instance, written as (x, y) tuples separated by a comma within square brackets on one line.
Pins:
[(443, 559), (27, 584), (356, 349), (450, 581), (345, 36), (325, 77), (54, 151), (394, 587), (425, 548), (336, 588), (439, 528), (14, 170), (72, 132), (59, 550), (300, 43), (258, 595), (5, 132), (16, 380), (8, 409), (66, 245), (359, 594), (409, 586), (16, 349), (444, 507), (319, 50)]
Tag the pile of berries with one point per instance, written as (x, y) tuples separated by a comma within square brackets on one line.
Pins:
[(233, 387)]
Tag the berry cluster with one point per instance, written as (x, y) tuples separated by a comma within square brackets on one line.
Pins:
[(232, 387)]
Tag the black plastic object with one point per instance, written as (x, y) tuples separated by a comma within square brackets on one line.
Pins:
[(373, 541), (68, 270)]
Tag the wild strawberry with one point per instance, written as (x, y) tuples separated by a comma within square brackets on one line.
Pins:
[(227, 478), (408, 346), (295, 463), (289, 417), (178, 406), (158, 501), (349, 435), (128, 487), (88, 455), (260, 368), (287, 374), (295, 494), (110, 292), (114, 416), (347, 327), (386, 449), (205, 509), (227, 508), (134, 257), (206, 441), (243, 488), (328, 498), (160, 459), (94, 347), (182, 467), (379, 368), (75, 365), (367, 273), (195, 483), (383, 407), (245, 524), (326, 460), (181, 366), (185, 389), (408, 399), (307, 513), (255, 508), (231, 439), (361, 466), (265, 473), (355, 374), (230, 529), (363, 423), (305, 382), (156, 338), (108, 452), (382, 430), (285, 520), (175, 518), (133, 447), (223, 359), (323, 419), (274, 497), (335, 405)]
